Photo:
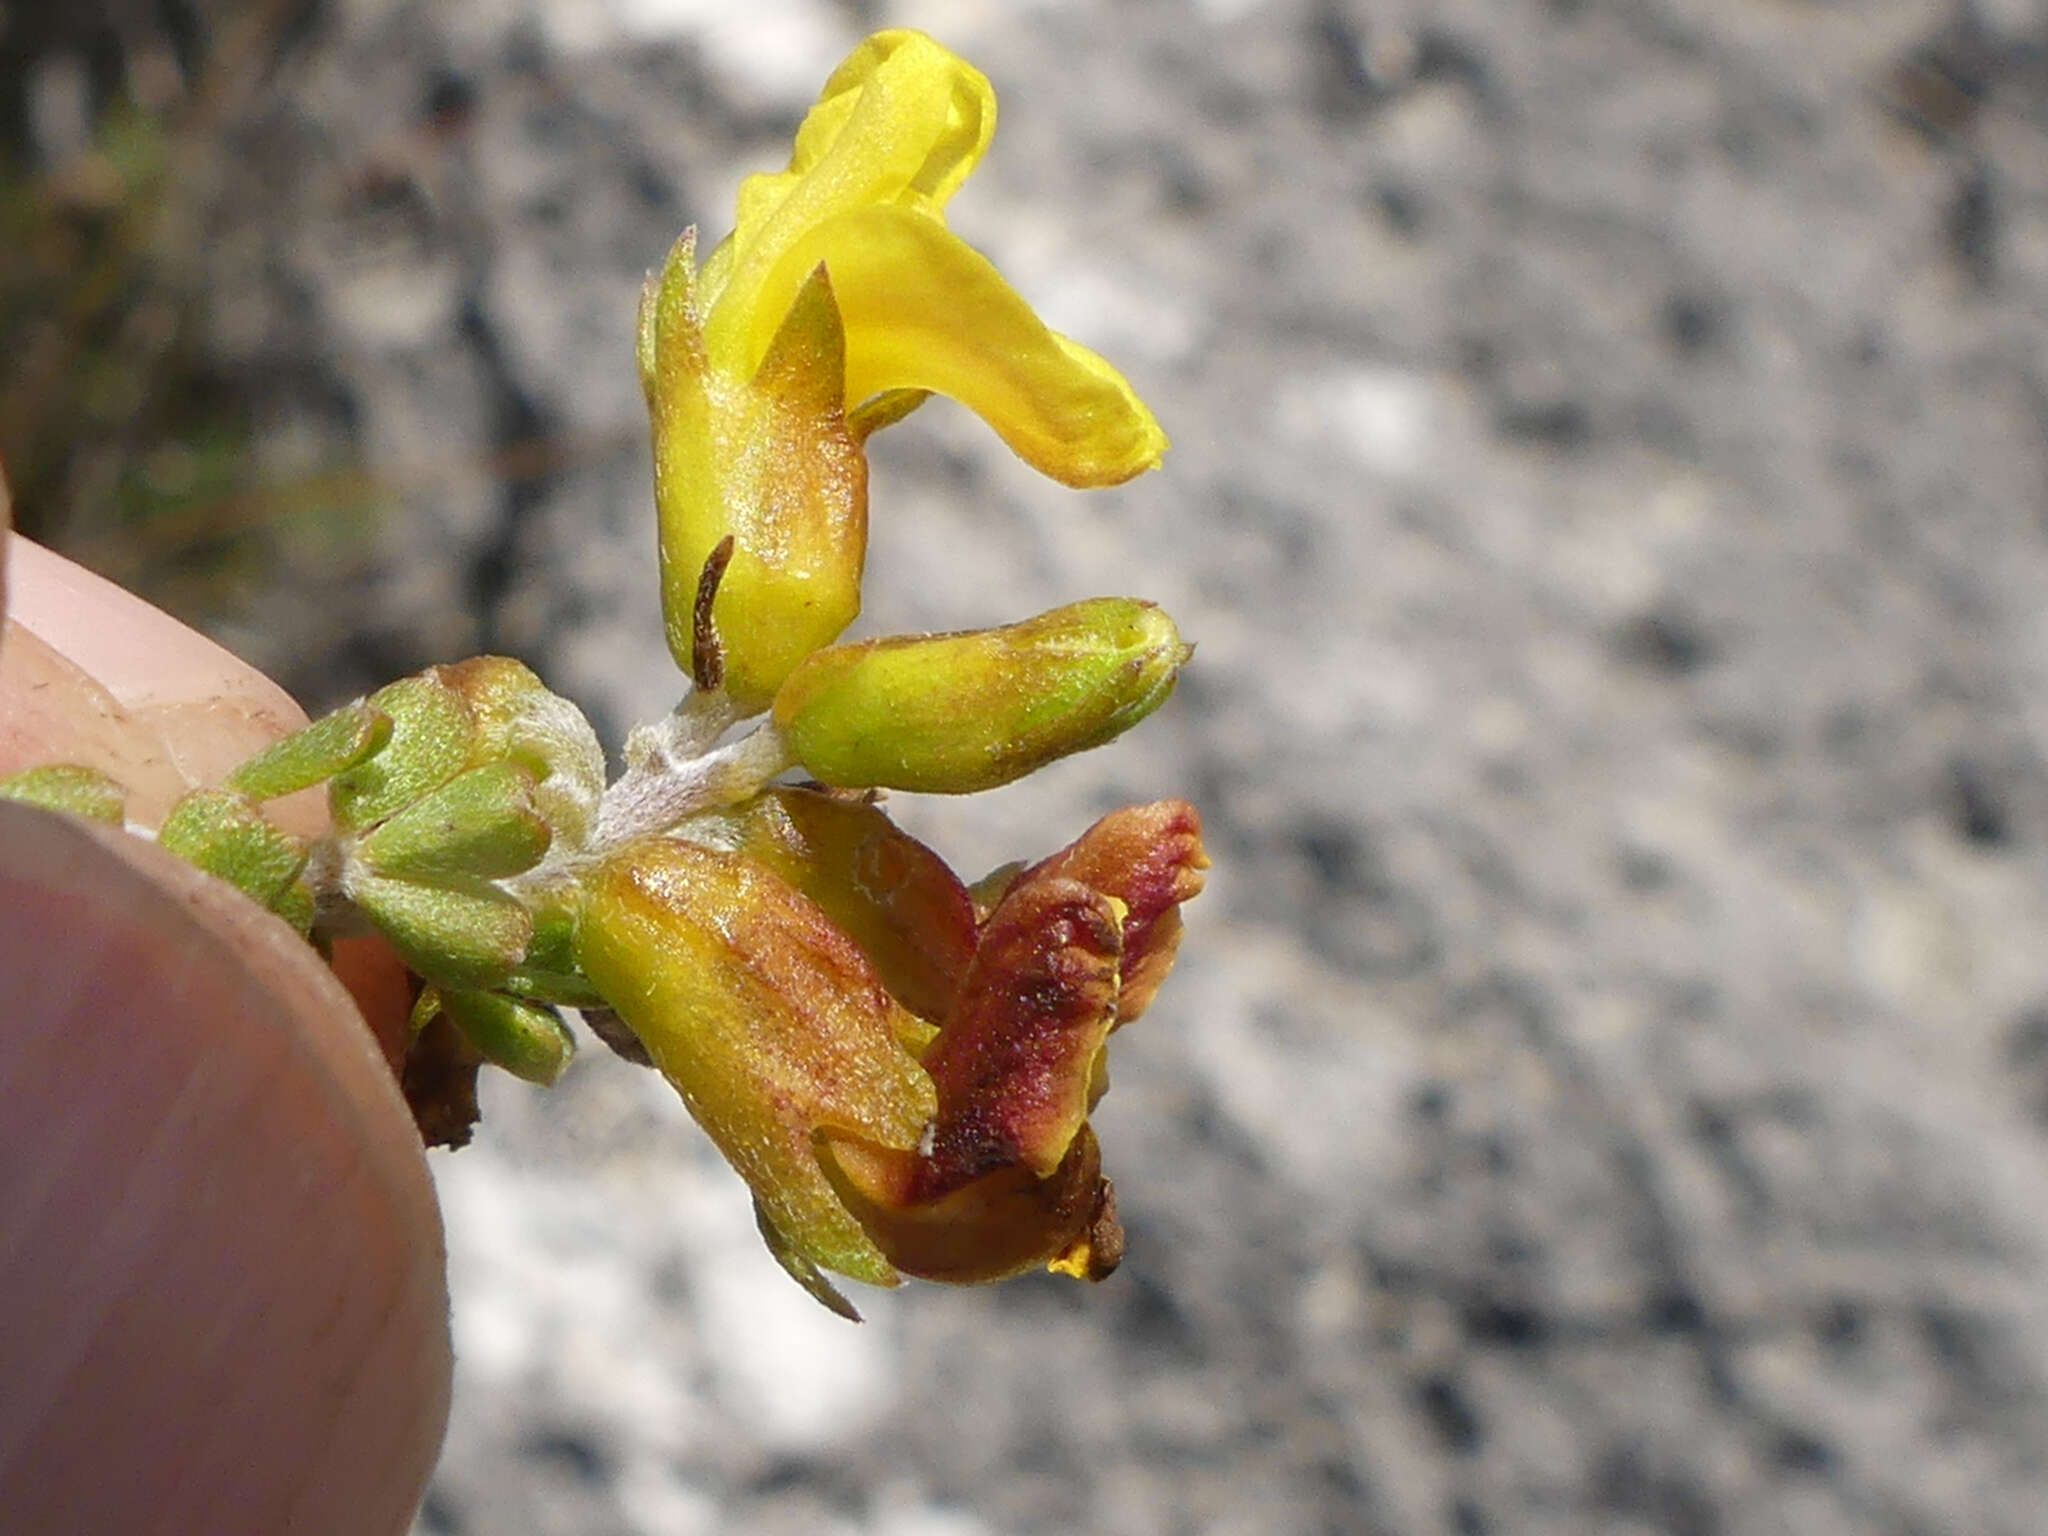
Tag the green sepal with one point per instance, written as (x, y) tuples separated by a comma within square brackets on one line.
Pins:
[(526, 1039), (224, 834), (461, 934), (67, 787), (556, 907), (330, 745), (549, 973), (431, 735), (479, 823), (799, 1267)]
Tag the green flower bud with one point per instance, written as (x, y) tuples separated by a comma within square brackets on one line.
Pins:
[(224, 834), (67, 787), (951, 714), (526, 1039), (480, 823), (432, 733), (463, 934), (330, 745)]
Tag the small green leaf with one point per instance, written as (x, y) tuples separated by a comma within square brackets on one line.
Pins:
[(479, 823), (330, 745), (561, 989), (526, 1039), (67, 787), (224, 834), (425, 1009), (431, 734), (549, 973), (460, 935)]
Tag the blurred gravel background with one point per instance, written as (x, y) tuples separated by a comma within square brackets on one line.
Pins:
[(1605, 1090)]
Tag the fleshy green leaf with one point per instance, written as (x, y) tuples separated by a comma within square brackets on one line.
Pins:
[(526, 1039), (67, 787), (480, 823), (520, 719), (467, 935), (431, 736), (332, 744), (224, 834)]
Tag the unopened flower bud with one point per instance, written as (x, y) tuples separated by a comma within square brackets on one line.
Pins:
[(952, 714)]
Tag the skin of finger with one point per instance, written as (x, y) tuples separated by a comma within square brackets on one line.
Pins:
[(91, 674), (92, 670), (221, 1264)]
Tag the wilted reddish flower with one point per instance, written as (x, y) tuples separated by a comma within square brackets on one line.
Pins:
[(915, 1102)]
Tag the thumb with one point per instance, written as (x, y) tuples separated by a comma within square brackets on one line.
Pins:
[(221, 1266)]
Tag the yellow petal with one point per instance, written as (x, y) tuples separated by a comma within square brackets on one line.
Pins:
[(907, 61), (902, 120), (924, 310)]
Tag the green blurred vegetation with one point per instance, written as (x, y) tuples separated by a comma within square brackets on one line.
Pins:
[(126, 444)]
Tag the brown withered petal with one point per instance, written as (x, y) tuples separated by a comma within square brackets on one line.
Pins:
[(1150, 858), (999, 1225), (440, 1084), (888, 892), (1097, 1251), (1012, 1065)]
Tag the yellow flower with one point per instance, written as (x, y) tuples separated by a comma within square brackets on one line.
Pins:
[(839, 303)]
